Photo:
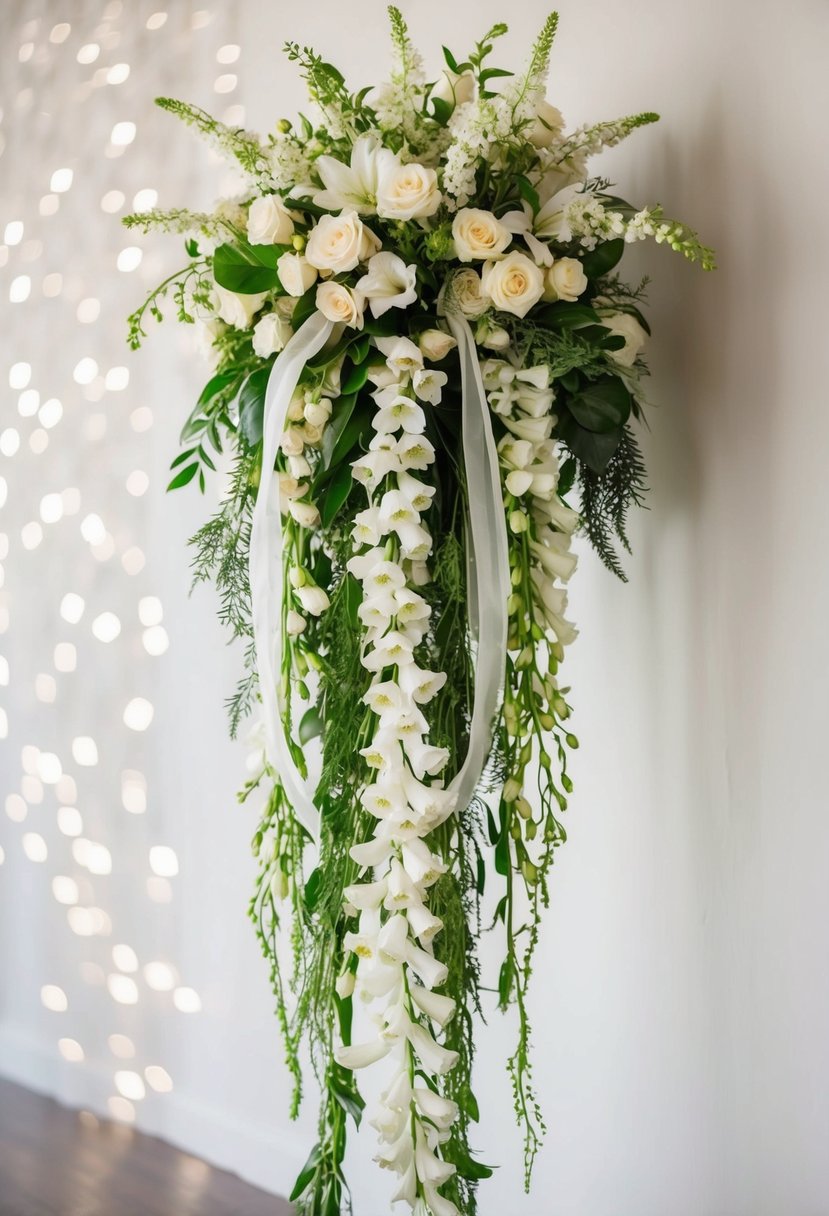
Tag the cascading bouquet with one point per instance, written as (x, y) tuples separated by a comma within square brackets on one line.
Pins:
[(420, 350)]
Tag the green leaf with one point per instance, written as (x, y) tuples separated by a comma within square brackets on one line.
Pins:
[(566, 315), (505, 979), (192, 247), (346, 1093), (181, 479), (528, 191), (381, 327), (593, 448), (356, 378), (239, 269), (312, 888), (442, 110), (570, 380), (310, 726), (451, 61), (359, 349), (306, 1173), (491, 73), (502, 857), (306, 306), (601, 405), (342, 411), (603, 258), (182, 456), (566, 477), (336, 492), (356, 426), (252, 405)]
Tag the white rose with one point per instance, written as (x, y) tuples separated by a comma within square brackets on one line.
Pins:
[(493, 338), (478, 234), (269, 222), (565, 280), (388, 283), (455, 90), (339, 242), (340, 305), (407, 192), (296, 274), (514, 284), (626, 325), (549, 122), (466, 290), (435, 344), (270, 335), (238, 310)]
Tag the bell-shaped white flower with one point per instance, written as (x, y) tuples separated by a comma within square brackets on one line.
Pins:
[(556, 561), (401, 891), (403, 358), (366, 895), (392, 940), (428, 385), (384, 800), (382, 575), (421, 864), (435, 1005), (434, 1058), (398, 1155), (431, 1169), (438, 1110), (426, 758), (406, 1191), (433, 974), (432, 802), (415, 452), (381, 459), (361, 1055), (366, 527), (437, 1204), (393, 650), (424, 924), (370, 853), (417, 492), (401, 414), (421, 684)]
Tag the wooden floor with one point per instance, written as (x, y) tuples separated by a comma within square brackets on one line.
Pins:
[(59, 1162)]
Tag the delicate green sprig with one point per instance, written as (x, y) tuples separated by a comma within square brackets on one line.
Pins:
[(232, 141)]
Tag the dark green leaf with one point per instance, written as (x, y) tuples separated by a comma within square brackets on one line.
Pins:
[(603, 258), (570, 380), (593, 448), (381, 327), (528, 192), (442, 110), (565, 315), (342, 411), (310, 726), (307, 1173), (182, 456), (355, 378), (359, 349), (505, 979), (491, 73), (336, 492), (502, 857), (252, 405), (181, 479), (356, 426), (346, 1093), (192, 247), (451, 61), (239, 269), (306, 306), (601, 405), (566, 477), (312, 888)]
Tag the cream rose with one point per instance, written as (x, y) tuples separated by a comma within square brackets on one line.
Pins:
[(340, 305), (238, 310), (565, 280), (407, 192), (269, 222), (549, 122), (340, 242), (270, 335), (296, 274), (435, 344), (454, 89), (466, 291), (626, 325), (479, 235), (514, 284)]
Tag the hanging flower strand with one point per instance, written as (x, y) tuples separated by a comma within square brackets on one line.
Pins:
[(426, 375)]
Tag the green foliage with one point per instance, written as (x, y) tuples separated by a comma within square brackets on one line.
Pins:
[(607, 497), (232, 142)]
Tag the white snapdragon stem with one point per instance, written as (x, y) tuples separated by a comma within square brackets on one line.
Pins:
[(397, 974)]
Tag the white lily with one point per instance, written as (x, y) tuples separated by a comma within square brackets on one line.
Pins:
[(388, 283), (354, 185)]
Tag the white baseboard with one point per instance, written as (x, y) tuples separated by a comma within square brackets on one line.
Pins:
[(205, 1131)]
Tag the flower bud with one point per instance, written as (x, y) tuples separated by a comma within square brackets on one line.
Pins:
[(512, 789), (298, 241), (523, 807), (283, 126), (518, 522), (571, 741), (530, 872), (344, 984)]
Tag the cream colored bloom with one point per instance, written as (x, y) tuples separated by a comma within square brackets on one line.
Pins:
[(354, 185), (340, 242), (565, 280), (466, 291), (626, 325), (340, 305), (269, 222), (296, 274), (435, 344), (514, 284), (270, 335), (407, 192), (548, 125), (388, 283), (236, 309), (478, 235), (454, 89)]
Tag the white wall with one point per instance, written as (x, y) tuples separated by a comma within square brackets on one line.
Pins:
[(682, 995)]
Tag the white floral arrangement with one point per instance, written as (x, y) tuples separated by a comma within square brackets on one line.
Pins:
[(427, 373)]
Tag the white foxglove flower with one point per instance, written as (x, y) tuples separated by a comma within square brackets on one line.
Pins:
[(426, 758), (418, 494), (393, 938), (372, 853), (434, 1058), (438, 1110), (421, 864), (415, 452), (383, 800), (428, 385), (383, 697), (436, 1204), (431, 1169), (381, 575), (440, 1009), (406, 1191), (518, 482), (353, 185), (534, 429), (432, 973), (388, 283), (367, 527), (557, 562), (423, 923), (401, 891), (393, 650), (305, 514), (433, 802), (421, 684), (401, 414), (366, 895), (361, 1055), (403, 358)]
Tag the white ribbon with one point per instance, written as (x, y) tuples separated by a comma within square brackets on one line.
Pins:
[(265, 564), (488, 560), (488, 563)]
